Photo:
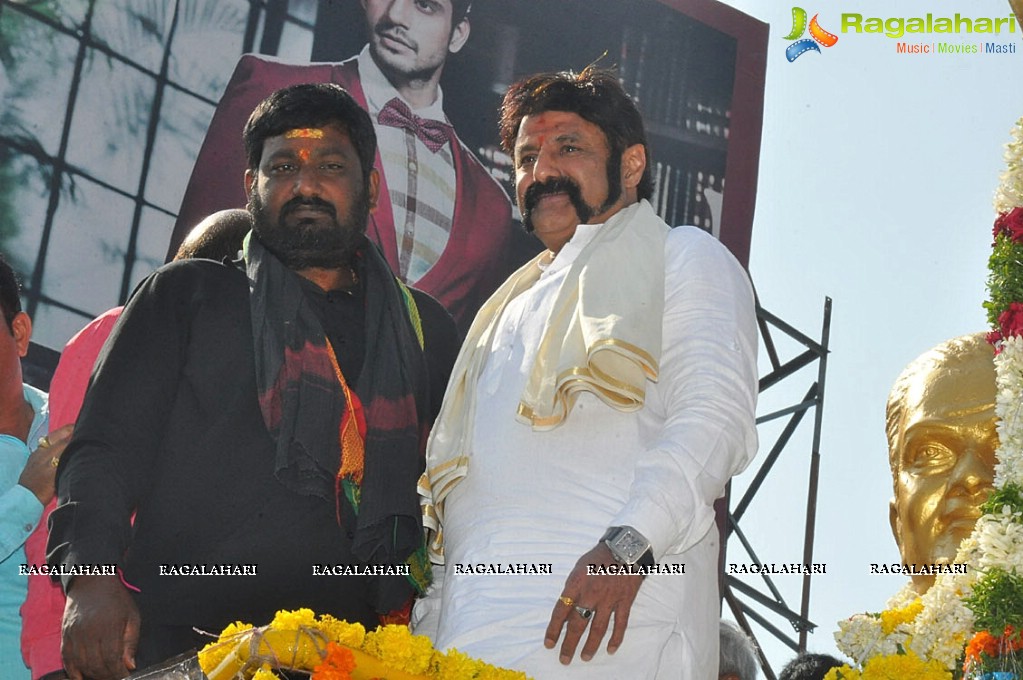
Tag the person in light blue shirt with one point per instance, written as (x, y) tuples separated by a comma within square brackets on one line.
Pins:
[(26, 477)]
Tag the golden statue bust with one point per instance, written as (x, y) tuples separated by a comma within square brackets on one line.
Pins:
[(941, 448)]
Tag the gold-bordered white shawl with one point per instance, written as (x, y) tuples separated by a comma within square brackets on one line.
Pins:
[(603, 336)]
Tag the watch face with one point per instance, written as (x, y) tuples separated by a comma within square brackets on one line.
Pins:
[(631, 545), (628, 545)]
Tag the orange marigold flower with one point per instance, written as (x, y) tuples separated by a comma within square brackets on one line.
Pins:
[(981, 643), (337, 665)]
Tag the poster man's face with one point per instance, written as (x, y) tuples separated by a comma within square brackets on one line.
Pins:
[(410, 39), (944, 459)]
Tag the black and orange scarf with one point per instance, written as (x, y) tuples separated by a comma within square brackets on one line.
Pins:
[(364, 455)]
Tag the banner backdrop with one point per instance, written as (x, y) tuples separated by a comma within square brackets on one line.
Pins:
[(108, 104)]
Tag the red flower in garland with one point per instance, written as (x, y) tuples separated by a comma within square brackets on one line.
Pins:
[(1010, 224), (1010, 322)]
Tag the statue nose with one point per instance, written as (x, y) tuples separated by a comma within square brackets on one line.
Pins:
[(972, 473)]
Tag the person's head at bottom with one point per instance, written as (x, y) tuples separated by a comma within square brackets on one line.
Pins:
[(738, 654), (809, 666)]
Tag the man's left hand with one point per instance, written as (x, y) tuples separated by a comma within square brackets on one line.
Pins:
[(603, 594), (38, 474)]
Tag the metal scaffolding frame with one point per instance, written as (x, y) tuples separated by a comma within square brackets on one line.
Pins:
[(748, 603)]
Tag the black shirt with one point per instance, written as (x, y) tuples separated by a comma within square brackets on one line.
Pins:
[(171, 429)]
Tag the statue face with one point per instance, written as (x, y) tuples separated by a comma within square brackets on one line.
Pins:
[(943, 460)]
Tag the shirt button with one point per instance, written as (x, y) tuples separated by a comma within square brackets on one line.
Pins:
[(27, 528)]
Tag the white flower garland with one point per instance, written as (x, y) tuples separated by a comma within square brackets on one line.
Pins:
[(939, 631), (861, 636), (1009, 411), (1010, 192), (945, 625)]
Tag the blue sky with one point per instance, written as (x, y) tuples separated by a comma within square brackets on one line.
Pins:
[(877, 172)]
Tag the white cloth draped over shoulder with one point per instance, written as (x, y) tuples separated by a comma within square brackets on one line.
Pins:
[(516, 491)]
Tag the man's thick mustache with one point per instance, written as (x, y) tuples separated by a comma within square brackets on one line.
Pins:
[(317, 203), (552, 186)]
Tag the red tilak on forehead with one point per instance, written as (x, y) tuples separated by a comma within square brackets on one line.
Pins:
[(534, 143), (303, 154), (304, 133)]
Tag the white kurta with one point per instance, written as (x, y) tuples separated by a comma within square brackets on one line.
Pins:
[(547, 497)]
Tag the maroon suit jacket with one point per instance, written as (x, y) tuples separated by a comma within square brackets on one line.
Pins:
[(478, 255)]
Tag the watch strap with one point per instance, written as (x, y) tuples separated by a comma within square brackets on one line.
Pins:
[(646, 559)]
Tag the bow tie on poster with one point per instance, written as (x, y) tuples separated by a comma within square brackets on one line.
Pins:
[(433, 133)]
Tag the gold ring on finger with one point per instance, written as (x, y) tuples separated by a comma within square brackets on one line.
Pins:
[(54, 461), (44, 441), (567, 601)]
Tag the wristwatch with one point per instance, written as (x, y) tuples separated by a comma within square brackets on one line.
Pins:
[(628, 546)]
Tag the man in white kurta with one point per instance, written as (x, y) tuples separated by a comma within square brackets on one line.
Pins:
[(541, 446)]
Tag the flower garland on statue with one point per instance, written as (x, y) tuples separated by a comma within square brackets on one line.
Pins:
[(336, 650), (916, 636), (997, 599), (970, 625)]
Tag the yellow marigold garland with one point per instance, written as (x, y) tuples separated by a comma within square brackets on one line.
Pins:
[(336, 650), (891, 618), (893, 667), (400, 649)]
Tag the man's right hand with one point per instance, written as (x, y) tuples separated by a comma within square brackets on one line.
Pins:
[(100, 630)]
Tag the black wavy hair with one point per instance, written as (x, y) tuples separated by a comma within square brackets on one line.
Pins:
[(595, 95), (310, 105)]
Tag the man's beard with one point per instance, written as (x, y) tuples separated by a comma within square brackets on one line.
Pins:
[(565, 185), (304, 243)]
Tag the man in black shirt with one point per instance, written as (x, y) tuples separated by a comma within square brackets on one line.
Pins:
[(263, 420)]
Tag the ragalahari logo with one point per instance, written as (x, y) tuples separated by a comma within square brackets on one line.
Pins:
[(818, 36)]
